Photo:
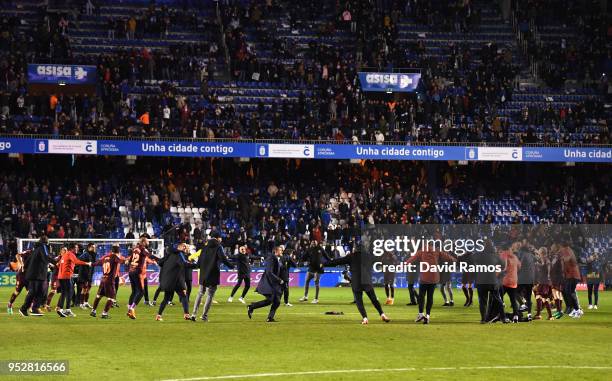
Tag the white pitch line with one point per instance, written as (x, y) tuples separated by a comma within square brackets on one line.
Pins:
[(313, 372), (319, 372)]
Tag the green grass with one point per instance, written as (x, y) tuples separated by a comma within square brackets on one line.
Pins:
[(305, 339)]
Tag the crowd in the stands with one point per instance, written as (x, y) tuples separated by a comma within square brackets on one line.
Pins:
[(175, 92), (260, 201)]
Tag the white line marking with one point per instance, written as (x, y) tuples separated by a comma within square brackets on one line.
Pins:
[(318, 372)]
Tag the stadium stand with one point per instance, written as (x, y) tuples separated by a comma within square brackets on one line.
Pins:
[(278, 70)]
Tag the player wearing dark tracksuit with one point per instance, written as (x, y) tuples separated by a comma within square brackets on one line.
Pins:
[(36, 274), (288, 260), (313, 256), (467, 280), (593, 277), (86, 275), (389, 259), (243, 264), (526, 277), (361, 281), (487, 283), (173, 279)]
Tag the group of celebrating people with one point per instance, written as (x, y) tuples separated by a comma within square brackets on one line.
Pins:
[(550, 273)]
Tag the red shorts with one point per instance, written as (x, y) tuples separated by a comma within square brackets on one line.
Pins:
[(544, 291), (107, 288), (54, 283)]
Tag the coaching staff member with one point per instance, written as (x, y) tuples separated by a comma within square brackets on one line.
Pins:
[(210, 274), (36, 275), (270, 286)]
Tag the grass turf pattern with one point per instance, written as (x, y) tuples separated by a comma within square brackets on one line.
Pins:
[(307, 340)]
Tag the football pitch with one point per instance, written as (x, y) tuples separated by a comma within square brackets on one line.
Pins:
[(307, 344)]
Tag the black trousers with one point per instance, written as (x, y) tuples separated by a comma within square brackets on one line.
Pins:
[(593, 291), (157, 292), (247, 285), (168, 295), (490, 302), (317, 281), (569, 289), (426, 291), (286, 292), (413, 293), (358, 295), (188, 289), (137, 289), (526, 290), (146, 290), (271, 299), (66, 289), (512, 295), (76, 296), (36, 295)]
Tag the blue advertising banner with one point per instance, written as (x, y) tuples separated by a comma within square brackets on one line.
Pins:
[(169, 148), (383, 152), (303, 151), (389, 82), (571, 154), (16, 145), (66, 74)]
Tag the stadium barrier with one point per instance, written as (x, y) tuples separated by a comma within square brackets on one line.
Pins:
[(297, 278), (263, 149)]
